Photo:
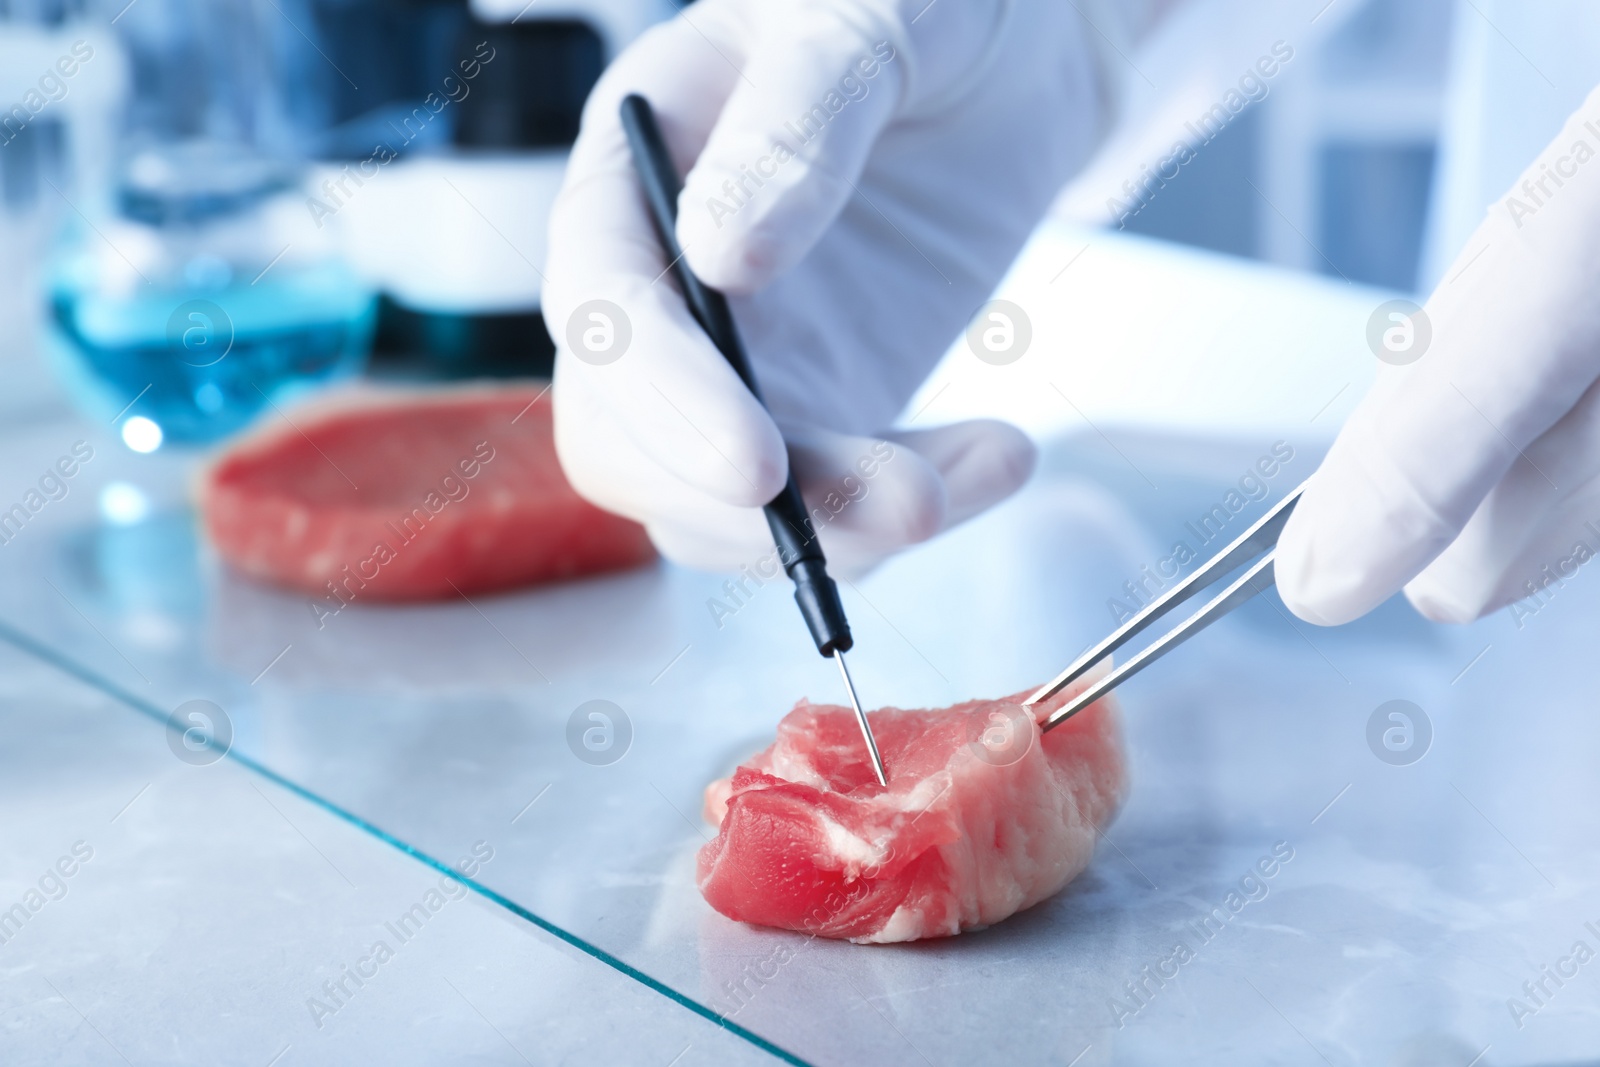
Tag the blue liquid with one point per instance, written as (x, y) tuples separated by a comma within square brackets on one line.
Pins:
[(204, 364)]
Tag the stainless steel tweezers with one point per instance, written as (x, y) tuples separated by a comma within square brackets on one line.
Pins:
[(1259, 538)]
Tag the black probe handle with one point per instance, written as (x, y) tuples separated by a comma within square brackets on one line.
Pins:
[(792, 531)]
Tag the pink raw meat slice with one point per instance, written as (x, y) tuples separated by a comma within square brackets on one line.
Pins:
[(411, 495), (983, 817)]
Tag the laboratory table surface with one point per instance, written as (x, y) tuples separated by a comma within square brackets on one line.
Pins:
[(404, 858)]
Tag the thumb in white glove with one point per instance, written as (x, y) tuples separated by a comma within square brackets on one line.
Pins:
[(860, 174), (1469, 476)]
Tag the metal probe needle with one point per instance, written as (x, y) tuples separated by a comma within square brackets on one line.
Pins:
[(792, 531), (861, 717)]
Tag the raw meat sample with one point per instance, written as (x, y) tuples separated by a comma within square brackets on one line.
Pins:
[(983, 817), (410, 496)]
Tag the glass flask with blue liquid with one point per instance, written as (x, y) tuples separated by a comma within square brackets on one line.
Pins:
[(190, 291), (202, 298)]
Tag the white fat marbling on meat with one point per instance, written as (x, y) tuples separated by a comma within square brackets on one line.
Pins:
[(799, 770), (926, 793), (904, 925), (856, 852)]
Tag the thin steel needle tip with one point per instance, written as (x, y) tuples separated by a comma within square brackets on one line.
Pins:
[(861, 717)]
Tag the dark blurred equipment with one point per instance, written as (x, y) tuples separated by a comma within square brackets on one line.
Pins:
[(442, 344), (532, 96), (471, 110)]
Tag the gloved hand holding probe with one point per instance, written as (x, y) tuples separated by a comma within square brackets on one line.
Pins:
[(860, 173)]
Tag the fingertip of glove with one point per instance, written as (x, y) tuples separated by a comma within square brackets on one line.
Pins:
[(1013, 455), (913, 508), (1439, 598), (729, 260), (1439, 609), (755, 463), (1304, 582), (1308, 609), (981, 461)]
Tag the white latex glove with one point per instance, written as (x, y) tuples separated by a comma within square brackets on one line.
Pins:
[(945, 130), (1463, 475)]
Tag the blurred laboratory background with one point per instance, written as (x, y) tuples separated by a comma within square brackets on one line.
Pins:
[(1374, 151), (313, 188), (324, 188)]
